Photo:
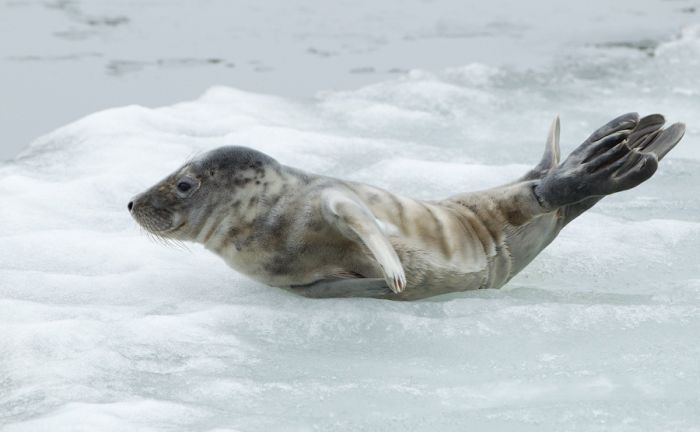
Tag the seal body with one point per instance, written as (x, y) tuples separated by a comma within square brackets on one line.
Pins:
[(324, 237)]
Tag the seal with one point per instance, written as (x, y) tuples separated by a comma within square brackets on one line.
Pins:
[(324, 237)]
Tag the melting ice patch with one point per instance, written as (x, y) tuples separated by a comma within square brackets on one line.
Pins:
[(103, 330)]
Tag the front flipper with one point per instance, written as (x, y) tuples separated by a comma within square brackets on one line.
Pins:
[(356, 222), (333, 288), (617, 157)]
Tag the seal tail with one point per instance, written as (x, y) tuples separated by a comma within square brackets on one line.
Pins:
[(618, 156)]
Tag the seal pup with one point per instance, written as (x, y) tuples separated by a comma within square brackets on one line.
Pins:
[(323, 237)]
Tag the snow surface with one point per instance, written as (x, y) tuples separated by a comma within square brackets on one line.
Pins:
[(102, 330)]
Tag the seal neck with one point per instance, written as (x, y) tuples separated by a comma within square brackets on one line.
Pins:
[(235, 219)]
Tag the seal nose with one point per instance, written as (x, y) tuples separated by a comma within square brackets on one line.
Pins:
[(135, 202)]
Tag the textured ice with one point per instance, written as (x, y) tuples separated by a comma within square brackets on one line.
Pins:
[(101, 329)]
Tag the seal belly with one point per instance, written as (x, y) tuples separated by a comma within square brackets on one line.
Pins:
[(525, 242)]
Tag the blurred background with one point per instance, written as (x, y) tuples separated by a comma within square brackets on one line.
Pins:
[(63, 59)]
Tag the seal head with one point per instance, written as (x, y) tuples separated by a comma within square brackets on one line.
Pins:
[(179, 206)]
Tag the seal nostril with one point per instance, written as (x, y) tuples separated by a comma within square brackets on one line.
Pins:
[(130, 205)]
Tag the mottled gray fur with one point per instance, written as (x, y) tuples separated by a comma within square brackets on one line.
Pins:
[(324, 237)]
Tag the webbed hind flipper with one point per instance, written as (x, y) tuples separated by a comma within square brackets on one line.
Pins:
[(552, 153), (615, 158)]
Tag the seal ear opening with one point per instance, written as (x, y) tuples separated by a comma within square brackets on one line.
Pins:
[(551, 156)]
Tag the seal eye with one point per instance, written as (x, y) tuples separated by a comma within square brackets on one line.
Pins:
[(186, 186)]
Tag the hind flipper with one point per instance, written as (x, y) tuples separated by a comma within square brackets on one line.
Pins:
[(624, 123), (660, 145), (613, 163), (551, 156)]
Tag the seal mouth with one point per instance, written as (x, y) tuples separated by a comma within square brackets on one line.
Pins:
[(161, 232), (163, 236), (175, 228), (159, 222)]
